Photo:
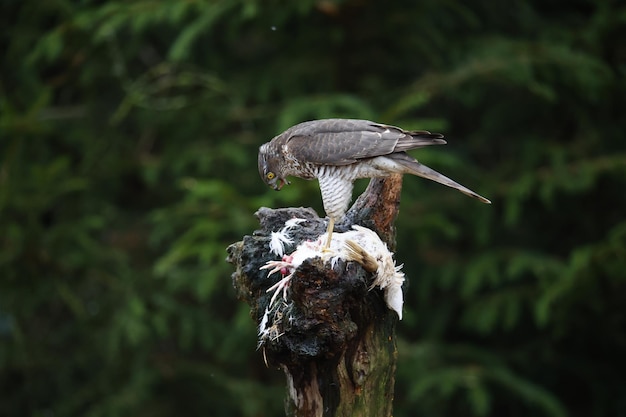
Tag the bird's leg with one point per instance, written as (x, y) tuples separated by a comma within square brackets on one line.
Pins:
[(281, 285), (329, 234), (284, 266)]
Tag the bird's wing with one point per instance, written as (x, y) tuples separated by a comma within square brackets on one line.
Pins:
[(344, 141)]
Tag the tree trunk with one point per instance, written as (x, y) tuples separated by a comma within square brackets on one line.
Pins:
[(334, 338)]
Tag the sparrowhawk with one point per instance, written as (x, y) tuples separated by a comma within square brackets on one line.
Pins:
[(339, 151)]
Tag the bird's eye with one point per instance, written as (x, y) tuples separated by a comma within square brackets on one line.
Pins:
[(270, 175)]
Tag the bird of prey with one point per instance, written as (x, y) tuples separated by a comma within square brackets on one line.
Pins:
[(339, 151)]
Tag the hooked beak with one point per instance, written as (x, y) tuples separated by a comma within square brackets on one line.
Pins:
[(280, 183)]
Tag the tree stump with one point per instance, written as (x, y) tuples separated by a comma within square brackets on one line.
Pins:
[(335, 338)]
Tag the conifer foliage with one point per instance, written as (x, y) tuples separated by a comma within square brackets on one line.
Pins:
[(128, 140)]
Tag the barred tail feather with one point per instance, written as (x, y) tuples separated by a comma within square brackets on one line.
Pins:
[(415, 168)]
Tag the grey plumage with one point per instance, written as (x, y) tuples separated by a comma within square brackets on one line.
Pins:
[(339, 151), (345, 141)]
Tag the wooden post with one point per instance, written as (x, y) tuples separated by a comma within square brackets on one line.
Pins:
[(335, 338)]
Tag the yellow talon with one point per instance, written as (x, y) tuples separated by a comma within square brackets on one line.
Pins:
[(329, 234)]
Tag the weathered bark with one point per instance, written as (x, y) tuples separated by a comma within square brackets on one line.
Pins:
[(334, 338)]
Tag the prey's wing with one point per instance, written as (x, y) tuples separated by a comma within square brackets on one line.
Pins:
[(345, 141)]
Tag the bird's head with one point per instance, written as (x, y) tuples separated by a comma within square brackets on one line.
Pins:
[(271, 167)]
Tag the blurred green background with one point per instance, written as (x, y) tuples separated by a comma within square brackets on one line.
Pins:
[(128, 140)]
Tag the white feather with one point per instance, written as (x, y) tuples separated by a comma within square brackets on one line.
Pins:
[(277, 242), (388, 276), (280, 238)]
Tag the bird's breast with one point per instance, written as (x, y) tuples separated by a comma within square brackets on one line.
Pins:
[(336, 187)]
